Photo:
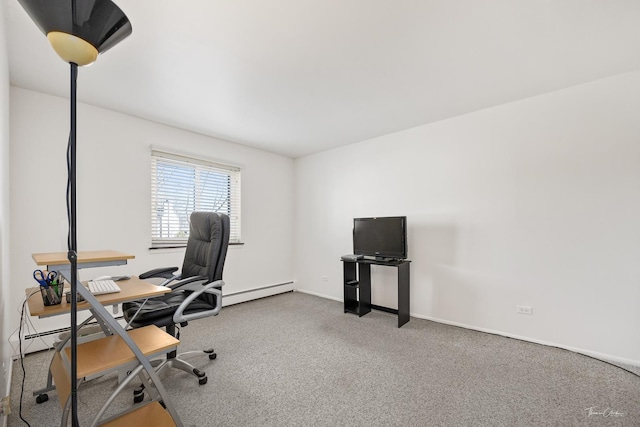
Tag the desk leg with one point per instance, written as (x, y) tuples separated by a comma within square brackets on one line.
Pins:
[(115, 327), (364, 281), (403, 293)]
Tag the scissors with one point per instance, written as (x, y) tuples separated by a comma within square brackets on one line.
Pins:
[(45, 279)]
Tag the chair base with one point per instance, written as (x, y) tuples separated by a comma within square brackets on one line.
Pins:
[(178, 363), (175, 361)]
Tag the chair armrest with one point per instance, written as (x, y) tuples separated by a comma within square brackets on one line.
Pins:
[(197, 289), (166, 272), (182, 284)]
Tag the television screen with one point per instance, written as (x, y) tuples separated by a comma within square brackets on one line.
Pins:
[(381, 237)]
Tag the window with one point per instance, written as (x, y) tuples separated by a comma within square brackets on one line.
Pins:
[(181, 185)]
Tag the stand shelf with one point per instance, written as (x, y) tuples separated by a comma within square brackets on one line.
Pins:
[(149, 415), (107, 353)]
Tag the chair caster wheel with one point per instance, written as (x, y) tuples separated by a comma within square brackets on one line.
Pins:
[(213, 356), (42, 398), (138, 394), (202, 376)]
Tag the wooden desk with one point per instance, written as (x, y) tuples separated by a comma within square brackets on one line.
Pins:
[(122, 347), (131, 290)]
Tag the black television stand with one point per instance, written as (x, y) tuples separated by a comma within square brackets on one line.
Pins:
[(358, 281)]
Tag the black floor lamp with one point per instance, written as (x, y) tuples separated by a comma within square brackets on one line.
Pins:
[(78, 31)]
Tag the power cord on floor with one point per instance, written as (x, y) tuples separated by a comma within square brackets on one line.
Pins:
[(599, 360), (567, 350), (24, 373)]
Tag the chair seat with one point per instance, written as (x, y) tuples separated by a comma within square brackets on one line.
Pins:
[(159, 310)]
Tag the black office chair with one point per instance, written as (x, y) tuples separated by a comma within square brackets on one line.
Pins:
[(196, 291)]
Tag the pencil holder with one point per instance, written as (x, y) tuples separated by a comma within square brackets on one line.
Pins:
[(52, 294)]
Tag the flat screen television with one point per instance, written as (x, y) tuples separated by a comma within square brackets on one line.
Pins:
[(380, 237)]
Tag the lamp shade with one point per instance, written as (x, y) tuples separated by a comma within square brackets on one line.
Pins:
[(79, 30)]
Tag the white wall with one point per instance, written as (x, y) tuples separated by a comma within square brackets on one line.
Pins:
[(532, 203), (4, 209), (114, 194)]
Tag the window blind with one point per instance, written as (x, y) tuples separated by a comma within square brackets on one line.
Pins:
[(181, 185)]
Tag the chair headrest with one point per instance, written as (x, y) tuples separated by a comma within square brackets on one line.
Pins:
[(207, 245), (201, 226)]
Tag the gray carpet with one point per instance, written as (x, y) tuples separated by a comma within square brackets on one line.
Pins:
[(296, 359)]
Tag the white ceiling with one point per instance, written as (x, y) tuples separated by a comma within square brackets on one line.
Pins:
[(297, 77)]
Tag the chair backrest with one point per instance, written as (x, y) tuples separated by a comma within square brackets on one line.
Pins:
[(207, 246)]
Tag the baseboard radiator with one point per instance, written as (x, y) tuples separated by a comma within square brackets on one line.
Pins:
[(45, 340), (255, 293)]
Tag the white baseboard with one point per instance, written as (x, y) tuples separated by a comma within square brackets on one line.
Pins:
[(256, 293), (43, 340), (9, 372), (304, 291), (33, 343), (594, 354)]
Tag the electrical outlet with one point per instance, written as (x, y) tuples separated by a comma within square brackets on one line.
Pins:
[(5, 409), (523, 309), (325, 279)]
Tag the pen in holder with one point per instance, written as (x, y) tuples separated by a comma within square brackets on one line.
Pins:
[(52, 294), (51, 286)]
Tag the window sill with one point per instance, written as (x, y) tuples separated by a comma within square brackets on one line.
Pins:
[(159, 248)]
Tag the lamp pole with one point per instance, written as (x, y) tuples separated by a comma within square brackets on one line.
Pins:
[(73, 247), (78, 37)]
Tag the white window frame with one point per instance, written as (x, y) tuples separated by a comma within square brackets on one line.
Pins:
[(177, 190)]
